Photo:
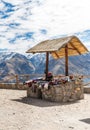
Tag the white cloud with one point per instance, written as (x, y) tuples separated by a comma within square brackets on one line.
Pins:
[(19, 47), (87, 44), (63, 16), (14, 2), (58, 17)]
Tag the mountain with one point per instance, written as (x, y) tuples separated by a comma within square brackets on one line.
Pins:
[(38, 60), (17, 64), (13, 64), (77, 64)]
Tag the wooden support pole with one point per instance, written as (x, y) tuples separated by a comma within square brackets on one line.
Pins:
[(47, 61), (17, 80), (66, 60), (27, 77)]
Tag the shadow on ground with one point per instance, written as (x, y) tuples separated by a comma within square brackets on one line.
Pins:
[(87, 120), (41, 103)]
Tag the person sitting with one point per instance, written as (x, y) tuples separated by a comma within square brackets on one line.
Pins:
[(49, 76)]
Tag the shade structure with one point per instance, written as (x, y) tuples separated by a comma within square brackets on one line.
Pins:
[(57, 47), (61, 47)]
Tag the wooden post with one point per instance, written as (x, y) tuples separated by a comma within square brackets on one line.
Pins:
[(66, 60), (17, 80), (47, 60), (27, 77)]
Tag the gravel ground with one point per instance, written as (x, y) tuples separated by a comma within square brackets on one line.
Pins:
[(17, 112)]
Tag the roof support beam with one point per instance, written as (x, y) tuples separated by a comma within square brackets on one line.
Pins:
[(56, 54), (66, 60), (47, 62), (75, 48)]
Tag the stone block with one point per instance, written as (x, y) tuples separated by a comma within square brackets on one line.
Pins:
[(58, 98), (58, 90), (65, 99)]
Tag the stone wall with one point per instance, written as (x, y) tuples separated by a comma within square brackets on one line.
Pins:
[(13, 86), (86, 89), (64, 92), (34, 94)]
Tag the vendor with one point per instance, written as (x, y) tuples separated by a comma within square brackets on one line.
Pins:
[(49, 76)]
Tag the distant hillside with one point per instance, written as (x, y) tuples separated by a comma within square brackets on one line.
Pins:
[(15, 63), (77, 64)]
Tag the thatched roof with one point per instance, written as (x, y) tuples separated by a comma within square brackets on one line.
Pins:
[(57, 47)]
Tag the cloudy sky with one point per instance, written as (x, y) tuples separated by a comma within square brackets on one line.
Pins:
[(24, 23)]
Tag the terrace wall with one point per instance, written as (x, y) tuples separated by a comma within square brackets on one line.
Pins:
[(13, 86)]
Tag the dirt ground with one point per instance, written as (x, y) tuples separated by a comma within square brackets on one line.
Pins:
[(17, 112)]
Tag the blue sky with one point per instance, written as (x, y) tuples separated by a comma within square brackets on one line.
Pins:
[(24, 23)]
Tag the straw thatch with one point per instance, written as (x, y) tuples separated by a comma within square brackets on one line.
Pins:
[(57, 47)]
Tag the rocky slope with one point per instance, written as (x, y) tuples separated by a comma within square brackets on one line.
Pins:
[(77, 64), (15, 63)]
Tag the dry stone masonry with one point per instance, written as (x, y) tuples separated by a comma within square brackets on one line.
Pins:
[(63, 92)]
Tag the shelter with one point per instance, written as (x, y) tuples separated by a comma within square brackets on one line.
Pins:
[(58, 48)]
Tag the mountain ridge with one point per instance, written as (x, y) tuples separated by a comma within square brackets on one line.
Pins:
[(16, 64)]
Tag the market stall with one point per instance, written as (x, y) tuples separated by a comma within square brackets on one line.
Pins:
[(63, 89)]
